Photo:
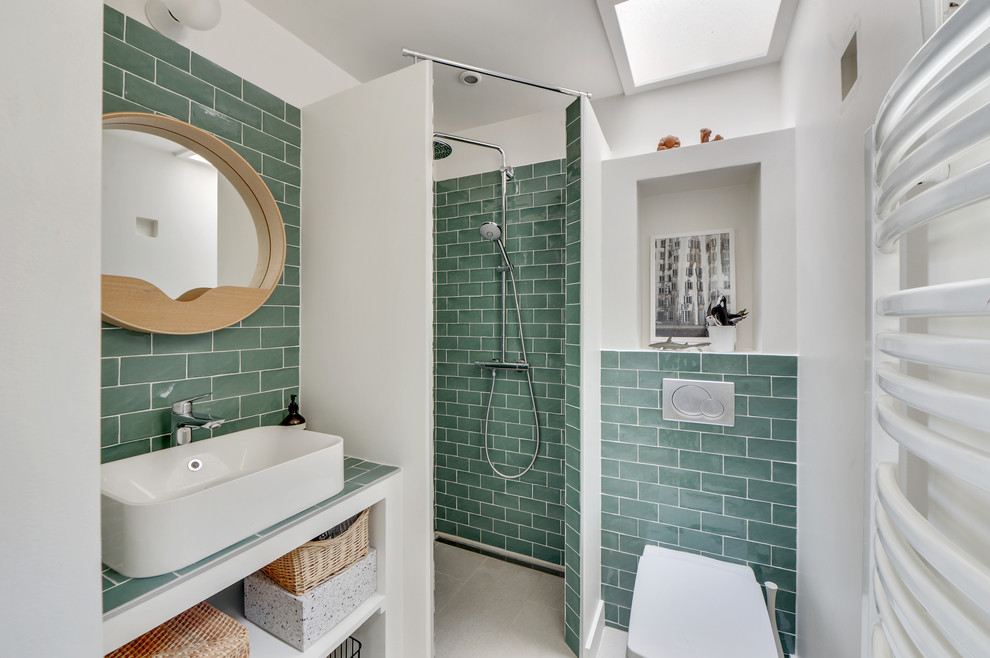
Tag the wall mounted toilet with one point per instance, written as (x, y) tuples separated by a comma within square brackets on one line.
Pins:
[(690, 606)]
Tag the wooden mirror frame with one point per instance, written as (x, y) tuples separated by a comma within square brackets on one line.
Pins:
[(138, 305)]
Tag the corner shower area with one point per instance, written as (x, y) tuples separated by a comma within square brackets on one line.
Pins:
[(429, 318), (475, 387), (506, 243)]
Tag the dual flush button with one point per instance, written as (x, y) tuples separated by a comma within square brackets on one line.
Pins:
[(695, 401)]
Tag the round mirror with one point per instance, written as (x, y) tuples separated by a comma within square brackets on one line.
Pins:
[(164, 204), (192, 238)]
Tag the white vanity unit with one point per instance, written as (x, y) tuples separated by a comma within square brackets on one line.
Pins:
[(135, 606)]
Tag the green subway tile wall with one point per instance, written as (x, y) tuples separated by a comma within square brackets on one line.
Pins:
[(725, 492), (524, 516), (572, 380), (253, 366)]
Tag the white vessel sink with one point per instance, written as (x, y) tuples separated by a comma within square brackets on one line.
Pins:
[(168, 509)]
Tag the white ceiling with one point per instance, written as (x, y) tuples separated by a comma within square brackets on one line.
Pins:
[(558, 42)]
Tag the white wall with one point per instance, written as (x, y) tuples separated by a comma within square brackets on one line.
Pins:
[(736, 104), (49, 337), (594, 150), (367, 317), (251, 45), (525, 140), (741, 103), (142, 178), (832, 301), (626, 259), (237, 238), (706, 209)]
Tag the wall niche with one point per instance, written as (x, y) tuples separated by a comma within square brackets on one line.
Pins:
[(744, 184)]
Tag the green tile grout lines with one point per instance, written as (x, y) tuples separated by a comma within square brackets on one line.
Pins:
[(572, 414), (119, 589), (523, 516), (251, 367), (537, 516), (725, 492)]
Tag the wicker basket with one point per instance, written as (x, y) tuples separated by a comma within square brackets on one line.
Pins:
[(315, 562), (201, 631)]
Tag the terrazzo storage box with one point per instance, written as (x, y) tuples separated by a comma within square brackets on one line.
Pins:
[(302, 620)]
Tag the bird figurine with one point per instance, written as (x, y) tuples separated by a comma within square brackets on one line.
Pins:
[(719, 315)]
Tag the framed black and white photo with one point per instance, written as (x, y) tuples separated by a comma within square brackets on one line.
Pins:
[(687, 272)]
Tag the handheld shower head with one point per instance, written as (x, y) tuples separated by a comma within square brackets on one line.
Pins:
[(490, 231)]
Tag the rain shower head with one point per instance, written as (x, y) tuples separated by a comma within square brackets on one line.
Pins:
[(490, 231), (441, 149)]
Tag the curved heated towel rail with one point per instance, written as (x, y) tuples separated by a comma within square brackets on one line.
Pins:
[(929, 162)]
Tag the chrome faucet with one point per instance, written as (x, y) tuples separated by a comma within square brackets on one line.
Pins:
[(185, 420)]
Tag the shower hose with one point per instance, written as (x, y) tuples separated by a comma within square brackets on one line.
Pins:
[(529, 380)]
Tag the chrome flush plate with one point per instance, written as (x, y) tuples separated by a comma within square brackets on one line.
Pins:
[(698, 401)]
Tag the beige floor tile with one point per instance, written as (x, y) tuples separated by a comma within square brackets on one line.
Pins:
[(444, 589), (486, 595), (497, 610), (506, 579), (537, 632), (455, 561), (549, 591), (473, 625)]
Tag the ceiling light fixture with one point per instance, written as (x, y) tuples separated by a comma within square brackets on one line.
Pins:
[(172, 17), (470, 78)]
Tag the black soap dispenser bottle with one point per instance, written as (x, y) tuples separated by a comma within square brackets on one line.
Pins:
[(293, 419)]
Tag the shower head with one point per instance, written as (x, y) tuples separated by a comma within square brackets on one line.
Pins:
[(441, 149), (490, 231)]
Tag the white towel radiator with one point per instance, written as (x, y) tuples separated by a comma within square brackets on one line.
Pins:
[(929, 165)]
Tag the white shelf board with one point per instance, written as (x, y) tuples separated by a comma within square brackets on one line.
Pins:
[(144, 613), (265, 645)]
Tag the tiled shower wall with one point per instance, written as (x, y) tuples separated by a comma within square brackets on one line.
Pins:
[(725, 492), (252, 367), (524, 516), (572, 379)]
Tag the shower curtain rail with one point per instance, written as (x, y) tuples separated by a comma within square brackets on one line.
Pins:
[(495, 74)]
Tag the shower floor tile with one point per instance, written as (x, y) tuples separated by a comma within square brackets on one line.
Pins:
[(486, 607)]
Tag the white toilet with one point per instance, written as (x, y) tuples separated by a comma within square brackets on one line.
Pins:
[(689, 606)]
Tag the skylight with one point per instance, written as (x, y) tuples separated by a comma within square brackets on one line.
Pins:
[(659, 41)]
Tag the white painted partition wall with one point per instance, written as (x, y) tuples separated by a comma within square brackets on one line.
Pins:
[(367, 332), (626, 261), (929, 156), (50, 354), (594, 151)]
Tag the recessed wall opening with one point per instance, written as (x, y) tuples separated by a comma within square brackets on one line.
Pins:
[(849, 65), (699, 203), (146, 227)]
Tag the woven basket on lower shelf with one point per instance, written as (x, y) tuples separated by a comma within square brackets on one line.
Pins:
[(201, 631), (315, 562)]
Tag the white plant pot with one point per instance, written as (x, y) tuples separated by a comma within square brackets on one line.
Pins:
[(723, 339)]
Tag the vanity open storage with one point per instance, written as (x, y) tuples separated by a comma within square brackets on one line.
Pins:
[(134, 606)]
